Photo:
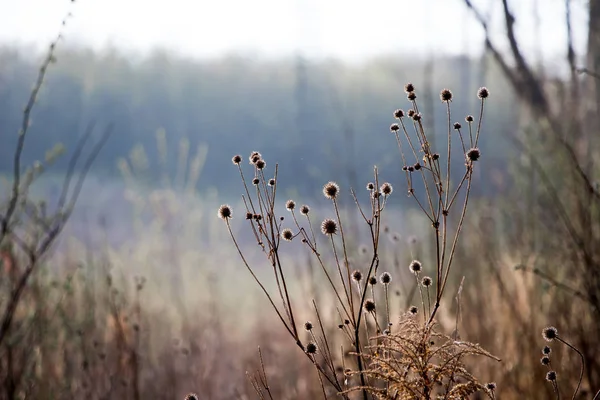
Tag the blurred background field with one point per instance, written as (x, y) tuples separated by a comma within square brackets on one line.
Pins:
[(143, 295)]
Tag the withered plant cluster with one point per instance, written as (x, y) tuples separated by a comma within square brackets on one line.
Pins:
[(377, 350)]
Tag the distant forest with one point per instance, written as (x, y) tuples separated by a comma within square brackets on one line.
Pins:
[(319, 120)]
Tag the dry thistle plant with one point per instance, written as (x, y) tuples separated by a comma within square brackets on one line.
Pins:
[(378, 358)]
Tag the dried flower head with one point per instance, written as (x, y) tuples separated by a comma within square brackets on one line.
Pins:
[(398, 113), (483, 93), (469, 118), (369, 305), (412, 96), (410, 113), (331, 190), (491, 386), (308, 326), (386, 189), (426, 281), (457, 125), (272, 182), (290, 205), (254, 157), (260, 164), (446, 95), (357, 276), (225, 212), (287, 234), (370, 186), (191, 396), (473, 154), (385, 278), (545, 360), (236, 159), (394, 127), (373, 280), (550, 333), (329, 227), (311, 348), (304, 210), (417, 117), (415, 266), (409, 87), (551, 376), (255, 181), (249, 215), (417, 166), (546, 350), (413, 310)]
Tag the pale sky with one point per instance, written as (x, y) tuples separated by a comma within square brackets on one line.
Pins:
[(347, 29)]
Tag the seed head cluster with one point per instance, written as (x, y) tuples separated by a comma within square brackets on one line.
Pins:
[(369, 306), (483, 93), (550, 333), (386, 189), (304, 210), (446, 95), (331, 190), (473, 154), (415, 266), (357, 276), (426, 281), (385, 278), (290, 205), (287, 234), (225, 212), (329, 227), (311, 348), (237, 159)]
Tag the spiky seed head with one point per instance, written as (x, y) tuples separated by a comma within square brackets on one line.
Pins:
[(426, 281), (290, 205), (409, 87), (261, 164), (236, 159), (404, 168), (304, 210), (311, 348), (272, 182), (370, 186), (483, 92), (254, 157), (394, 127), (491, 386), (287, 234), (457, 125), (417, 166), (550, 333), (255, 181), (357, 276), (369, 306), (412, 96), (347, 321), (551, 376), (308, 326), (331, 190), (225, 212), (399, 113), (546, 350), (473, 154), (191, 396), (413, 310), (386, 189), (385, 278), (248, 215), (435, 156), (329, 227), (446, 95), (417, 117), (373, 281), (545, 360), (410, 113), (469, 118), (415, 266), (410, 168)]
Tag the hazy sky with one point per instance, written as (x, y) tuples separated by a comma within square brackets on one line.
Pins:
[(349, 29)]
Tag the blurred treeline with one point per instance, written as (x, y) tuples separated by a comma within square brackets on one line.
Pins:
[(319, 120)]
